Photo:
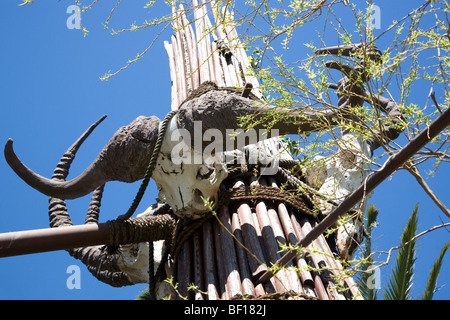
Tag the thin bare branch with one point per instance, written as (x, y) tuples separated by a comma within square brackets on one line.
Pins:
[(416, 174)]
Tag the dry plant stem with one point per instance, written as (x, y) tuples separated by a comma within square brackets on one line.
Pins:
[(389, 253), (415, 172)]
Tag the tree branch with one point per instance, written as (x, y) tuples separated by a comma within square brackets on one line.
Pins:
[(415, 172), (389, 253)]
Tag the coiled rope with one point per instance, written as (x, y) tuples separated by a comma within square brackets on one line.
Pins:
[(148, 174), (150, 168)]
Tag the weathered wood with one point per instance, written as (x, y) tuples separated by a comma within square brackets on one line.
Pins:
[(319, 259), (251, 241), (270, 244), (255, 253), (259, 229), (173, 79), (230, 266), (207, 41), (217, 20), (194, 75), (178, 67), (219, 75), (245, 64), (209, 261), (319, 288), (248, 289), (281, 239), (201, 42), (198, 268), (233, 42), (307, 257), (305, 275), (222, 289), (292, 275), (184, 275), (323, 258)]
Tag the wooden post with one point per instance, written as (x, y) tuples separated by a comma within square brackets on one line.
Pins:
[(228, 256), (257, 230)]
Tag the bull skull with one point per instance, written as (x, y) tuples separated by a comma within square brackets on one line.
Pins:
[(185, 177), (126, 155), (183, 185), (336, 177)]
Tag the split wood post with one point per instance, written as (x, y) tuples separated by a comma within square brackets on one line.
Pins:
[(243, 240)]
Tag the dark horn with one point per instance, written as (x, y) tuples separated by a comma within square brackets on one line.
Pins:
[(57, 209), (222, 110), (124, 158), (343, 50)]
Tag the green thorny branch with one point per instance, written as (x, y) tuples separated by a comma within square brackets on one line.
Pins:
[(417, 54)]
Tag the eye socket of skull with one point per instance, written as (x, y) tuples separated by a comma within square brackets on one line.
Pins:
[(205, 172)]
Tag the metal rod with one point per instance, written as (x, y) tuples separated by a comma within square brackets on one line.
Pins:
[(112, 232), (389, 167), (51, 239)]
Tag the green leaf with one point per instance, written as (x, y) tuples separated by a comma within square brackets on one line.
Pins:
[(434, 273), (368, 292), (144, 295), (400, 280)]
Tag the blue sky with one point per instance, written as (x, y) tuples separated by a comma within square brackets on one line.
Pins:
[(51, 92)]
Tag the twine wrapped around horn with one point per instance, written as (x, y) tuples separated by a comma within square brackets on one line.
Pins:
[(102, 260)]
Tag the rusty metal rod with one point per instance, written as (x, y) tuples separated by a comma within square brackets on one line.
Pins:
[(113, 232), (42, 240), (389, 167)]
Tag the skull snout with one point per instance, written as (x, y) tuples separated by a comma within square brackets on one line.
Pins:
[(187, 202), (187, 179)]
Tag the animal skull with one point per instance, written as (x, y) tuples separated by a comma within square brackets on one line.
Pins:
[(336, 177), (186, 177)]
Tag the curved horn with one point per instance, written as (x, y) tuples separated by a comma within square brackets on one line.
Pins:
[(124, 158), (72, 189), (390, 130), (57, 210), (221, 110)]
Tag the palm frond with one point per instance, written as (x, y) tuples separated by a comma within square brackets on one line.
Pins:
[(144, 295), (366, 286), (371, 222), (434, 273), (400, 280)]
